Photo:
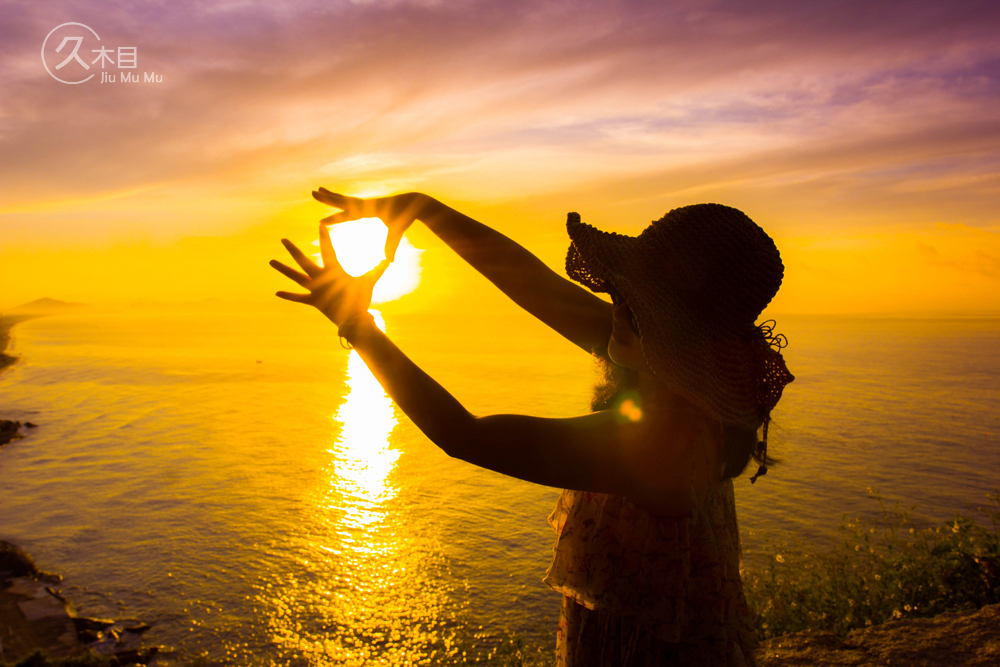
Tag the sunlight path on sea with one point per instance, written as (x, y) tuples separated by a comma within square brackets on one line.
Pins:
[(373, 588)]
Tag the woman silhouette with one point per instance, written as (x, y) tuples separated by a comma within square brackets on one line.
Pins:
[(647, 554)]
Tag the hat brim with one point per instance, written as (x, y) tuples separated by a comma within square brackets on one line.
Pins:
[(595, 256)]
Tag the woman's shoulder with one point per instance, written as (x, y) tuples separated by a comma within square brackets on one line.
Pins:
[(676, 458)]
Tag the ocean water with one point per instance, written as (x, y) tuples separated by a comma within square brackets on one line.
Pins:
[(239, 480)]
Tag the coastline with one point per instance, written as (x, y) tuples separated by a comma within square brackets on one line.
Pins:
[(7, 323), (34, 616), (10, 430), (46, 627)]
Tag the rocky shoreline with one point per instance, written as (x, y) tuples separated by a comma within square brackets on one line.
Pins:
[(35, 616), (970, 638)]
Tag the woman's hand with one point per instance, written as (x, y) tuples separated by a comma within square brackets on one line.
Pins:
[(397, 212), (336, 293)]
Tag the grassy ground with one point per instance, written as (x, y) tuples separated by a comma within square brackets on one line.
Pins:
[(879, 571)]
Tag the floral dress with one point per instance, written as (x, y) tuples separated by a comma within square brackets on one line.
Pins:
[(649, 591)]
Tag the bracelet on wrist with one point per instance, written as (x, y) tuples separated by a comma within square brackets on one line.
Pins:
[(348, 327)]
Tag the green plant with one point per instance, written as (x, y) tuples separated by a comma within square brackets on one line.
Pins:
[(878, 571)]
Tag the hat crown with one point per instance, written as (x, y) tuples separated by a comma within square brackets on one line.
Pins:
[(717, 261)]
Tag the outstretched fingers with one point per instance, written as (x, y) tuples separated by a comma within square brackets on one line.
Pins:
[(353, 207), (292, 296), (337, 199), (332, 290), (301, 278), (310, 267), (337, 218)]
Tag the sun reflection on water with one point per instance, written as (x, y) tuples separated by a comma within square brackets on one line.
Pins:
[(363, 457), (372, 591)]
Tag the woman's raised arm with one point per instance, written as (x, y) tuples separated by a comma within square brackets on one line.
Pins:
[(656, 461), (570, 309), (664, 462)]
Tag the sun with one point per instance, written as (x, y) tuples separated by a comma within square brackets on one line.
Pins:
[(360, 246)]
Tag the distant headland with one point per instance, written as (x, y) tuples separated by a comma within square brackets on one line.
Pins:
[(45, 306), (27, 311)]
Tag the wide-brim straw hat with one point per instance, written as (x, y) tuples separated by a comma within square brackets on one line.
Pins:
[(696, 280)]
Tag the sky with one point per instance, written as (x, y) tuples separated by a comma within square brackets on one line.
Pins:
[(863, 136)]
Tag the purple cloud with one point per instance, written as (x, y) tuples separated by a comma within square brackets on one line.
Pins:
[(712, 87)]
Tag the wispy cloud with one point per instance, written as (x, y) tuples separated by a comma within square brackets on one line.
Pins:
[(684, 82)]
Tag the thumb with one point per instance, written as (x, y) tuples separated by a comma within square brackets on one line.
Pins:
[(392, 240), (377, 272)]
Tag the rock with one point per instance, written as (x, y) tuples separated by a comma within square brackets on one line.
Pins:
[(26, 587), (30, 425), (960, 638), (46, 606), (33, 619), (50, 577), (58, 595), (141, 656), (36, 617), (93, 630), (15, 560), (88, 636), (8, 431), (970, 638), (821, 649), (92, 624)]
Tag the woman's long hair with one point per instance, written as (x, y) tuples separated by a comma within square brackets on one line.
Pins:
[(739, 445)]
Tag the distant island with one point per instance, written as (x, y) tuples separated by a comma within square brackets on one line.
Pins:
[(46, 306)]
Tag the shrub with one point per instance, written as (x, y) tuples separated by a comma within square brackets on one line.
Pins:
[(878, 571)]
